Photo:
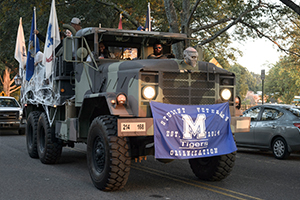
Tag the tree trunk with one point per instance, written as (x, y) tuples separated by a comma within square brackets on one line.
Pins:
[(6, 82), (174, 26), (184, 20)]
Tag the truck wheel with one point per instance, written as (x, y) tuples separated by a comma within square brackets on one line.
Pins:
[(107, 155), (49, 148), (213, 168), (31, 132)]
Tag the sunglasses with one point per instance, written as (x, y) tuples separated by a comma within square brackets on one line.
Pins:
[(157, 47)]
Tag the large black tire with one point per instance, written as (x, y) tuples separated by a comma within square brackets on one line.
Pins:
[(213, 168), (31, 133), (280, 149), (107, 155), (49, 148)]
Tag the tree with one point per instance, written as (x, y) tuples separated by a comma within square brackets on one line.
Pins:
[(292, 5), (282, 81), (256, 82), (241, 80), (210, 24), (8, 88)]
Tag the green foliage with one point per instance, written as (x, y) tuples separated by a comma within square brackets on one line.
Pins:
[(2, 68), (92, 13), (282, 81), (240, 78), (245, 80)]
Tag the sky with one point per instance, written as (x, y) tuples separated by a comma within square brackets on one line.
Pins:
[(258, 54)]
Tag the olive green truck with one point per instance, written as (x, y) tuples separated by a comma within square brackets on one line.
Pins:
[(104, 103)]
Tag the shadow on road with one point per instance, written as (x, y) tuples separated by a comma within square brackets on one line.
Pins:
[(266, 153), (8, 132)]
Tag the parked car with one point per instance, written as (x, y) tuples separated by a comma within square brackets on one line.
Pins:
[(272, 127), (11, 115)]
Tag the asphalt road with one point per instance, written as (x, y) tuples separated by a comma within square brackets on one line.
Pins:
[(256, 175)]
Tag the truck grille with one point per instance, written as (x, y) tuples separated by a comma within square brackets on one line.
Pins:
[(8, 115), (188, 88)]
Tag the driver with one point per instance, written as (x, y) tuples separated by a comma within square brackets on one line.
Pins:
[(157, 52)]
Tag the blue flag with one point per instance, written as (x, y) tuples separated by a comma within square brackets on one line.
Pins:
[(191, 131), (33, 47)]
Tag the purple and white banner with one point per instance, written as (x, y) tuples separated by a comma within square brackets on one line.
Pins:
[(191, 131)]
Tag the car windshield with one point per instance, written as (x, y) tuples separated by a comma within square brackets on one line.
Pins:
[(8, 103)]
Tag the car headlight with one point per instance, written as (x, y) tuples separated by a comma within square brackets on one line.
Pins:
[(148, 92), (20, 114), (225, 94)]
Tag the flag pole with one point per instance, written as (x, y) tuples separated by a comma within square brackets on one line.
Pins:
[(34, 29), (20, 68), (149, 21)]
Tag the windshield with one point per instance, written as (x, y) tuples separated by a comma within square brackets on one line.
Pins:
[(122, 53), (8, 103)]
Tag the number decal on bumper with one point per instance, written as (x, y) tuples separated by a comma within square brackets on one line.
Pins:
[(133, 127)]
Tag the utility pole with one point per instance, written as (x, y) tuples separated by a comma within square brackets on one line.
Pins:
[(263, 80)]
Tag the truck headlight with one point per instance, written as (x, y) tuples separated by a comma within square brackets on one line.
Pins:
[(225, 94), (148, 92), (121, 99)]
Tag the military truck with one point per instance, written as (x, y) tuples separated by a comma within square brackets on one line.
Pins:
[(105, 102)]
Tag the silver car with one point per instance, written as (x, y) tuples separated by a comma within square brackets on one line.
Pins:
[(272, 127), (11, 115)]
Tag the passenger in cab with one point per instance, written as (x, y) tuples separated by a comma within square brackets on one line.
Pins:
[(103, 53)]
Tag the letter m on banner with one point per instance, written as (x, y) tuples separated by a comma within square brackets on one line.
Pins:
[(191, 128)]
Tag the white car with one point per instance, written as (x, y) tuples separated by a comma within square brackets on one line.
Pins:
[(11, 115)]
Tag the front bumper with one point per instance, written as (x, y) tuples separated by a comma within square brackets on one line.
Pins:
[(13, 125), (144, 126)]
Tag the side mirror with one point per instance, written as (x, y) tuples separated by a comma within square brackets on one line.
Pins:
[(82, 53), (76, 49), (68, 48)]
